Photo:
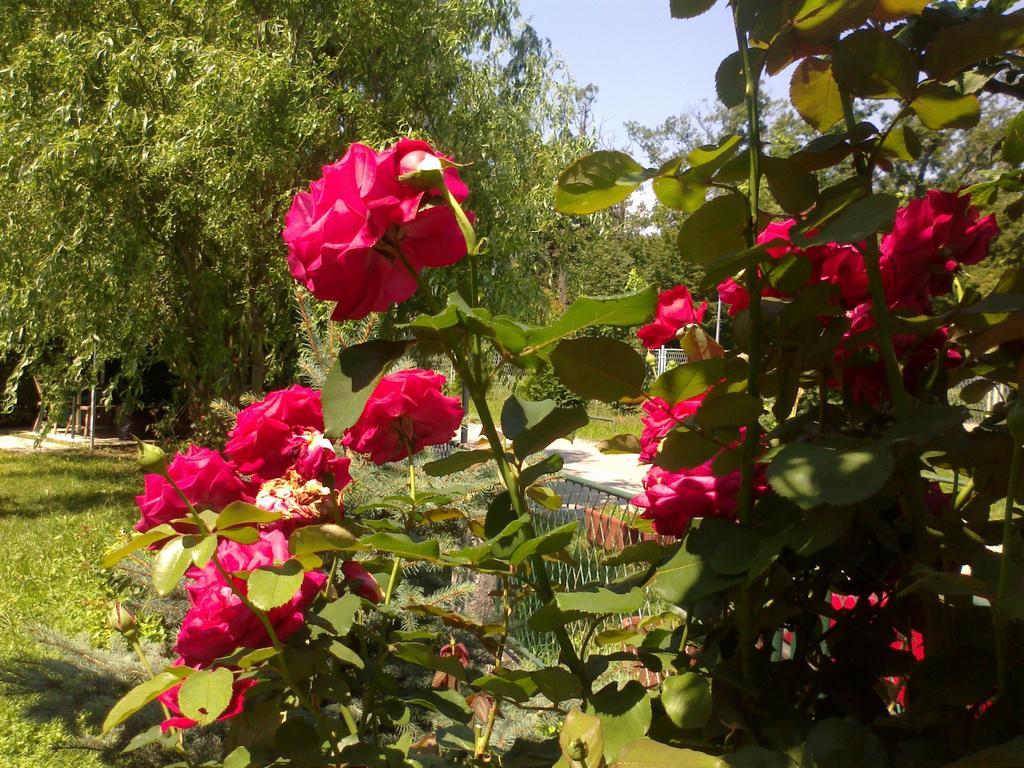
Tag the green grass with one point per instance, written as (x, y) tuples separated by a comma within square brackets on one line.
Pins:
[(58, 512)]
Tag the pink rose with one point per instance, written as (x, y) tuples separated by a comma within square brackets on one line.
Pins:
[(659, 419), (673, 499), (218, 622), (675, 311), (359, 234), (361, 581), (317, 458), (931, 237), (169, 699), (407, 410), (268, 435), (206, 479)]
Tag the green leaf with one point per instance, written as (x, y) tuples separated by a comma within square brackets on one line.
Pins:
[(546, 466), (940, 107), (582, 735), (518, 415), (341, 613), (202, 550), (730, 82), (815, 94), (687, 700), (715, 229), (558, 423), (544, 496), (401, 544), (680, 193), (624, 311), (601, 601), (1013, 145), (598, 181), (451, 704), (871, 64), (646, 753), (170, 565), (273, 586), (822, 20), (421, 655), (688, 578), (599, 368), (688, 380), (812, 474), (138, 697), (625, 715), (959, 46), (557, 684), (902, 143), (239, 758), (687, 9), (457, 462), (206, 694), (683, 449), (728, 410), (258, 656), (641, 552), (342, 404), (240, 513), (842, 743), (856, 221), (116, 554), (794, 188), (545, 544), (363, 363), (321, 538)]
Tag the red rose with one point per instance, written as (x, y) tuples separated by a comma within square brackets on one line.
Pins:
[(268, 435), (674, 499), (659, 419), (675, 311), (206, 479), (350, 233), (218, 622), (406, 410)]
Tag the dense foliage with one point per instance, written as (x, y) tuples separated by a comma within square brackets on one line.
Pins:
[(836, 573), (147, 145)]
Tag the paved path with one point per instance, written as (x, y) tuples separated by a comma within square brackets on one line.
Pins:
[(26, 441), (582, 459)]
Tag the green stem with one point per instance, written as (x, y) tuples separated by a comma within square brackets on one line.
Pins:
[(1001, 620), (275, 641), (879, 304), (753, 283)]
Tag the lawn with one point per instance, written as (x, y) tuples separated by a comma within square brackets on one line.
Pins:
[(58, 512)]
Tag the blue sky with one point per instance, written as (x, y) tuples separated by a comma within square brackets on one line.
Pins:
[(646, 64)]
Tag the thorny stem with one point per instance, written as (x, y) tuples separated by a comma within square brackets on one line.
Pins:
[(752, 279), (1001, 620), (484, 742), (879, 305)]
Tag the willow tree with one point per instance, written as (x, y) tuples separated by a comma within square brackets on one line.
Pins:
[(147, 150)]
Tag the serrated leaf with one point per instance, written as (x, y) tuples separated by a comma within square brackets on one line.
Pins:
[(116, 554), (1013, 144), (401, 544), (646, 753), (871, 64), (716, 228), (958, 46), (687, 9), (599, 368), (544, 496), (170, 565), (598, 181), (601, 601), (813, 474), (684, 449), (559, 423), (138, 697), (856, 221), (822, 20), (206, 694), (321, 538), (239, 758), (273, 586), (688, 380), (545, 544), (815, 94), (456, 462), (620, 444), (794, 188), (241, 513), (687, 700), (940, 107)]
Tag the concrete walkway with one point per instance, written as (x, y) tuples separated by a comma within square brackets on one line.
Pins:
[(582, 459), (26, 441)]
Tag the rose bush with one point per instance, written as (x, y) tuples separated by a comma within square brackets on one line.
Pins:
[(824, 570)]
